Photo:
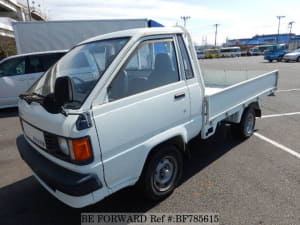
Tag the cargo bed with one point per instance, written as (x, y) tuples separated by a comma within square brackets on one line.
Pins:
[(227, 91)]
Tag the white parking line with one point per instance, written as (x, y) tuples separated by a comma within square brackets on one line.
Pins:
[(281, 114), (286, 149), (287, 90)]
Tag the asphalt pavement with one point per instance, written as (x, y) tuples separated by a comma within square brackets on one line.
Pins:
[(256, 181)]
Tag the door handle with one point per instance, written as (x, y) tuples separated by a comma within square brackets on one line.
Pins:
[(180, 95)]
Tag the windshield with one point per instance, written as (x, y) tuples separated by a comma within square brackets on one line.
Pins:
[(85, 64), (297, 50), (271, 49)]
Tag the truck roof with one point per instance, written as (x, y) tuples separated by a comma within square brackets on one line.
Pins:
[(138, 32)]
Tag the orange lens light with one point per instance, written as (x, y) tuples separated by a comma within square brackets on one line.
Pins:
[(82, 149)]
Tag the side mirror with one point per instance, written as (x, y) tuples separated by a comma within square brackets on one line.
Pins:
[(63, 91)]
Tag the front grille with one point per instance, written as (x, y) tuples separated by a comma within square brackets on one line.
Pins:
[(51, 142)]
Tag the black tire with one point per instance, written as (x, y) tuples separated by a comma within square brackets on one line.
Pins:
[(245, 128), (298, 59), (270, 60), (162, 173), (279, 59)]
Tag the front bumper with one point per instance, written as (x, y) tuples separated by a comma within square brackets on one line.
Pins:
[(271, 57), (58, 180)]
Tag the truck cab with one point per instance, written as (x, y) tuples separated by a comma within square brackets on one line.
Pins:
[(275, 52), (119, 110)]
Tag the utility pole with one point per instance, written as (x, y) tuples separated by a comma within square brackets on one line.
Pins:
[(29, 11), (290, 26), (185, 18), (279, 18), (216, 32)]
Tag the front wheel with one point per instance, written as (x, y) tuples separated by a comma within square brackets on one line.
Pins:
[(246, 127), (162, 173), (298, 59), (270, 60)]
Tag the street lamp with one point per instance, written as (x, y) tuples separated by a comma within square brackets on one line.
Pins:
[(290, 26), (279, 18)]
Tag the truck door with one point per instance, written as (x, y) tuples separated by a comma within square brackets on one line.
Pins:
[(146, 97)]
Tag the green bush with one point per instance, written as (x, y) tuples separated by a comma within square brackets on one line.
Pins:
[(7, 47)]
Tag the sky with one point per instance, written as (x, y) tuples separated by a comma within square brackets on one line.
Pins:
[(237, 18)]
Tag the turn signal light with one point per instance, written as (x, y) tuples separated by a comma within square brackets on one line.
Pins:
[(81, 149)]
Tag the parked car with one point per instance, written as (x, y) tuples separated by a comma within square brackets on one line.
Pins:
[(275, 52), (200, 55), (292, 56), (94, 125), (258, 50), (254, 51), (18, 73)]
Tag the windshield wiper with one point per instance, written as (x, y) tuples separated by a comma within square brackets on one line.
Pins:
[(37, 94)]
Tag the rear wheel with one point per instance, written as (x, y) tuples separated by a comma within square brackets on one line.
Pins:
[(162, 173), (246, 127), (270, 60), (298, 59)]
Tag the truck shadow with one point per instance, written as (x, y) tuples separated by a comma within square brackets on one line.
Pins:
[(204, 152), (26, 202), (10, 112)]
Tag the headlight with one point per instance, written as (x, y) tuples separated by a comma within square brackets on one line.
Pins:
[(63, 146), (76, 149)]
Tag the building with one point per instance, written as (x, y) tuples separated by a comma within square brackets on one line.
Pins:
[(265, 39), (12, 11)]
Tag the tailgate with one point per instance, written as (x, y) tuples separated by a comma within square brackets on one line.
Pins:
[(228, 100)]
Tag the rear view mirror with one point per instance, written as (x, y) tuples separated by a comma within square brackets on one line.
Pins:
[(63, 91)]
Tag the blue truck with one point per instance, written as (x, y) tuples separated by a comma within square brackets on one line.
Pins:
[(275, 52)]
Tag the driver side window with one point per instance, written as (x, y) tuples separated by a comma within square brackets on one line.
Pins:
[(152, 65)]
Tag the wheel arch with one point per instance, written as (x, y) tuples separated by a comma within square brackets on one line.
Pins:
[(257, 108), (178, 141)]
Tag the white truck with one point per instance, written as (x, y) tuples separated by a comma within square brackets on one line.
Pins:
[(120, 109)]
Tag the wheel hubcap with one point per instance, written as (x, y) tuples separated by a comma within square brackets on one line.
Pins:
[(165, 173)]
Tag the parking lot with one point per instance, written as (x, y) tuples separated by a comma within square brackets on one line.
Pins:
[(251, 182)]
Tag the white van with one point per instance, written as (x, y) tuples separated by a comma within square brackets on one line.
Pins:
[(121, 108), (18, 73)]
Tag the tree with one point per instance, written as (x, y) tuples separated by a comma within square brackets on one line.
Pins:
[(7, 47)]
